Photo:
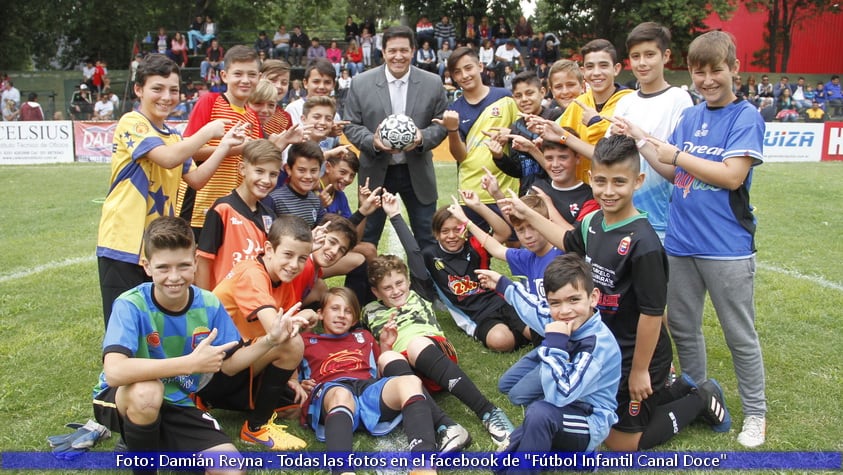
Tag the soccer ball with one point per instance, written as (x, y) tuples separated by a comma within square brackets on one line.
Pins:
[(398, 131)]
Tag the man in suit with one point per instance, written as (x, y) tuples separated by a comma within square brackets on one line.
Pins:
[(393, 88)]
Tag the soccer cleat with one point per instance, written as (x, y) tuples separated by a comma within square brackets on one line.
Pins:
[(272, 436), (754, 431), (499, 426), (452, 438), (714, 406)]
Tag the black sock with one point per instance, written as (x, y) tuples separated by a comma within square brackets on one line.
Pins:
[(668, 419), (338, 430), (421, 436), (402, 368), (142, 438), (434, 364), (269, 394), (357, 280)]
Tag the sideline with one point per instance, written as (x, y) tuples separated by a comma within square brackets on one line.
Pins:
[(813, 278), (45, 267)]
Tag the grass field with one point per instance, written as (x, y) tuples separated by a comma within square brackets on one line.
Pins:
[(51, 325)]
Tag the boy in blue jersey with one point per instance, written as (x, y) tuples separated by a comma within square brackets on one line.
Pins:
[(164, 341), (710, 240), (579, 363), (629, 267)]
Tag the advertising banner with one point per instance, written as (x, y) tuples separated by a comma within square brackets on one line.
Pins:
[(30, 143)]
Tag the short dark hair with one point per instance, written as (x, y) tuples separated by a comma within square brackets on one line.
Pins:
[(155, 65), (398, 31), (617, 149), (649, 31), (167, 233), (528, 77), (458, 55), (341, 225), (348, 157), (307, 149), (568, 269), (598, 45), (322, 66), (439, 217), (291, 226)]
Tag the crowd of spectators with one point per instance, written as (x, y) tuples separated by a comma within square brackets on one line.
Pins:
[(788, 101)]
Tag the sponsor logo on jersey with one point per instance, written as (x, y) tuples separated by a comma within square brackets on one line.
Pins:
[(236, 221), (574, 208), (199, 335), (153, 339), (463, 286), (267, 223), (141, 128), (495, 112), (702, 131), (359, 337), (623, 246)]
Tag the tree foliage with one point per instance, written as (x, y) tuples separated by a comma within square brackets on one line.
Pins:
[(783, 17), (578, 21)]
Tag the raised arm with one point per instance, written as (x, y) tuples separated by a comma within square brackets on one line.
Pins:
[(495, 248), (514, 206), (199, 176)]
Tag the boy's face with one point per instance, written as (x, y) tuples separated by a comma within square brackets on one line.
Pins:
[(337, 315), (172, 272), (613, 186), (286, 261), (570, 304), (281, 83), (714, 83), (561, 166), (304, 174), (264, 110), (158, 96), (318, 84), (393, 290), (467, 73), (647, 62), (565, 87), (450, 236), (340, 175), (322, 120), (531, 239), (528, 97), (260, 179), (599, 71), (335, 247), (242, 78)]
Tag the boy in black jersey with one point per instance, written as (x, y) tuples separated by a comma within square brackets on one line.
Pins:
[(629, 266)]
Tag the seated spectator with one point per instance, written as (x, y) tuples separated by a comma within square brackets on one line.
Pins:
[(550, 52), (334, 55), (31, 109), (161, 42), (299, 42), (741, 90), (765, 89), (484, 29), (834, 96), (315, 50), (213, 62), (507, 55), (752, 90), (426, 58), (819, 94), (263, 44), (281, 40), (81, 105), (445, 32), (354, 58), (786, 108), (800, 99), (178, 49), (442, 57), (103, 109), (767, 109), (424, 30), (779, 88), (524, 33), (487, 54), (352, 32), (815, 113), (295, 92), (194, 31), (10, 111), (501, 32), (471, 33), (209, 32)]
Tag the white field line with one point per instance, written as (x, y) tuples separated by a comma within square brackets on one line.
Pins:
[(816, 279), (20, 274)]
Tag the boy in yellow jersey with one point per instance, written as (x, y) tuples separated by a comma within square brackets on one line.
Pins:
[(148, 161)]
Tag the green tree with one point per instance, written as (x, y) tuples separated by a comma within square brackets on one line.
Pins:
[(579, 21), (783, 16)]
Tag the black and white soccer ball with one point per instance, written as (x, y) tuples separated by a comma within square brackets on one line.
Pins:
[(398, 131)]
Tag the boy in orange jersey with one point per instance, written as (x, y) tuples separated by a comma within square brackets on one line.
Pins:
[(241, 74)]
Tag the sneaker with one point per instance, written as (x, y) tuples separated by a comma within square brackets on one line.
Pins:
[(754, 431), (499, 426), (714, 406), (452, 438), (272, 436)]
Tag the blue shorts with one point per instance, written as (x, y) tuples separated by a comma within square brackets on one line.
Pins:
[(367, 406)]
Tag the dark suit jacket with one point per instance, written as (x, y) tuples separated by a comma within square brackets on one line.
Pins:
[(368, 104)]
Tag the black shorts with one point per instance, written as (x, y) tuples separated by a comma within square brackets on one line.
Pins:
[(503, 314), (117, 277), (183, 428), (634, 416), (237, 392)]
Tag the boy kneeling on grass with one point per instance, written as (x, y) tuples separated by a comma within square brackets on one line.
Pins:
[(164, 342)]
